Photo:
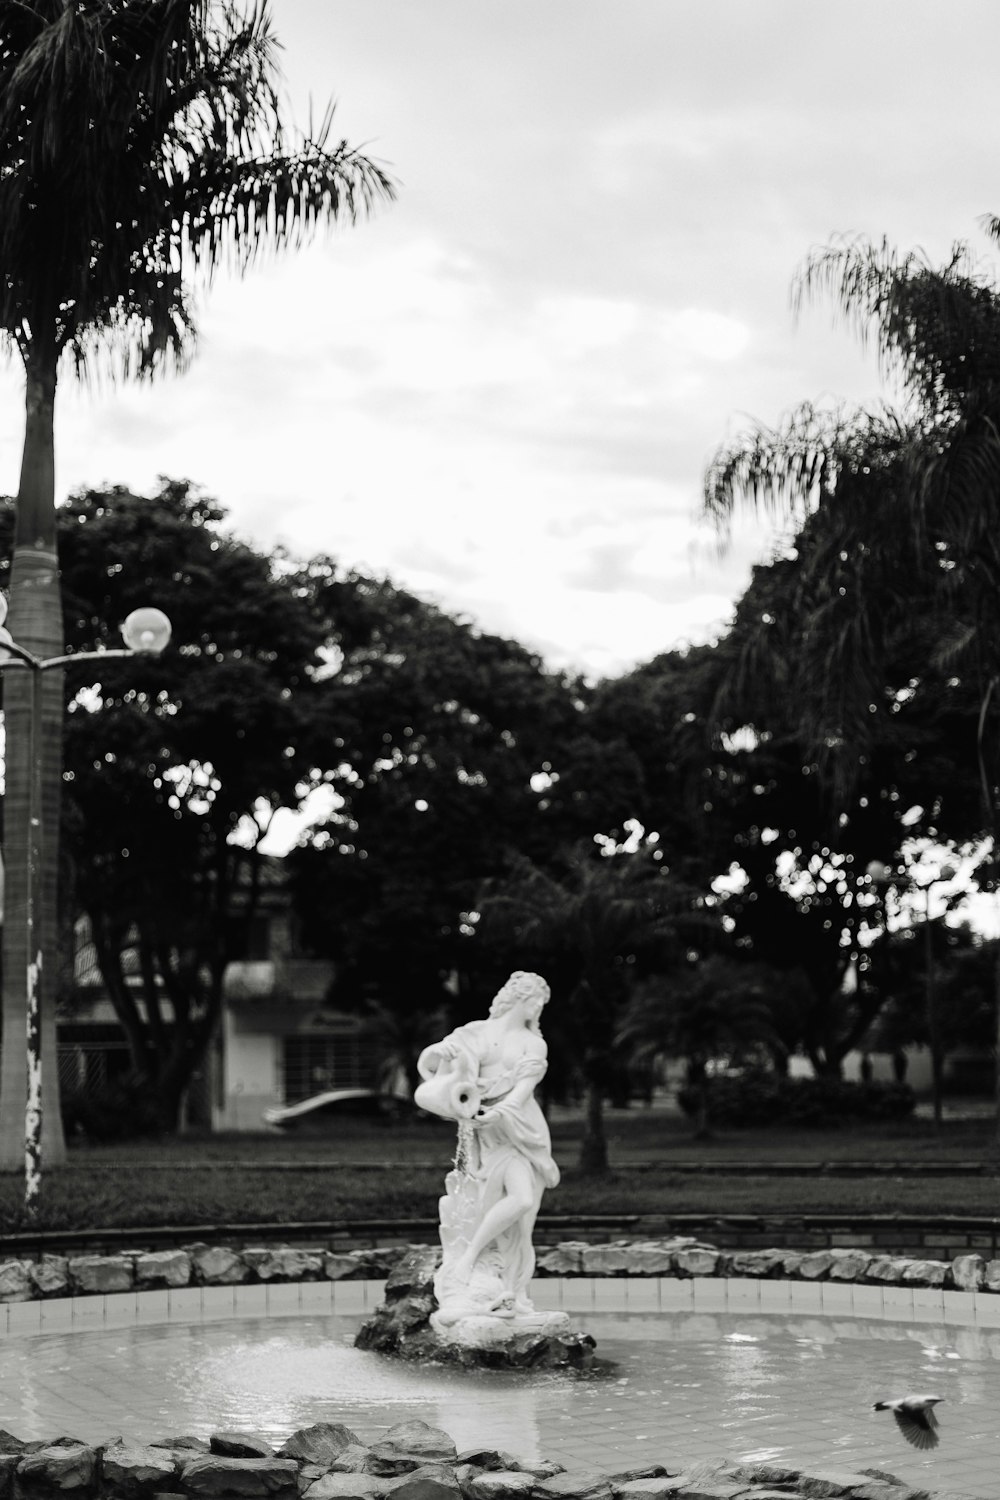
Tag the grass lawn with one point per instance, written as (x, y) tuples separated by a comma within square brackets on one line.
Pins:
[(370, 1170), (636, 1137)]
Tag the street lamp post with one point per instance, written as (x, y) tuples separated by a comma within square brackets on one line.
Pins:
[(146, 633)]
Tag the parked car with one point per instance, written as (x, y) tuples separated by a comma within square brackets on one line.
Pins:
[(332, 1104)]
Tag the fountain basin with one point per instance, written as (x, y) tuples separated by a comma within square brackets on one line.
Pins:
[(796, 1365)]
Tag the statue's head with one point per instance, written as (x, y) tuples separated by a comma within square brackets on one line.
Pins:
[(522, 988)]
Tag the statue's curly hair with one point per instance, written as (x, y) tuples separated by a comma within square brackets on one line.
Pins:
[(522, 985)]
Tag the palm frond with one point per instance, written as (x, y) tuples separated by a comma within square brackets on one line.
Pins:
[(142, 145), (233, 211), (938, 328), (953, 644), (786, 472), (809, 647), (712, 1007), (960, 484), (779, 471), (895, 566)]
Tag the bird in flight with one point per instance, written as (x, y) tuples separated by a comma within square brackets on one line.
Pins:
[(915, 1418)]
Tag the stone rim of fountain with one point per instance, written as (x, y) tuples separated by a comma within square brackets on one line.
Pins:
[(49, 1276)]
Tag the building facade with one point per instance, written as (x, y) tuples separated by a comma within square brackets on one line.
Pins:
[(278, 1039)]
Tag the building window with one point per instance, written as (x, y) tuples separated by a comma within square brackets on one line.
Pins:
[(313, 1064), (91, 1068)]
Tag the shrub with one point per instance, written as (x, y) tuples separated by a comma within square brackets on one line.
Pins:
[(119, 1113), (760, 1098)]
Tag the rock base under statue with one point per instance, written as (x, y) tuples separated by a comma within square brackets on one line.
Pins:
[(408, 1326), (483, 1331)]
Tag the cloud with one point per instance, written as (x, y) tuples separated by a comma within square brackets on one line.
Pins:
[(394, 410), (504, 389)]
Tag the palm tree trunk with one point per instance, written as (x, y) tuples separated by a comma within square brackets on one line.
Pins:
[(996, 998), (36, 623), (991, 815), (703, 1131), (702, 1121), (594, 1146)]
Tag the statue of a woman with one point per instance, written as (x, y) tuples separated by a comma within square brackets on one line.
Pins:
[(484, 1075)]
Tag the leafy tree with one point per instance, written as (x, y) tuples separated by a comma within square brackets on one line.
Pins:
[(141, 145), (729, 784), (175, 766), (440, 742), (962, 965), (711, 1009), (660, 717), (802, 835), (722, 784), (965, 985), (839, 650), (399, 1037), (594, 929)]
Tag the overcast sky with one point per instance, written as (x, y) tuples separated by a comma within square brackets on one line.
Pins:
[(503, 389)]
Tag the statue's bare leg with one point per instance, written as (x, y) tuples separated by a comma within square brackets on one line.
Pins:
[(518, 1199)]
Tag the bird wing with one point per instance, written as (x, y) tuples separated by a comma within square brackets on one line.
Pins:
[(918, 1425)]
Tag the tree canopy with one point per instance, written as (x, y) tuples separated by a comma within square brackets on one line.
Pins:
[(476, 822), (174, 765), (443, 745)]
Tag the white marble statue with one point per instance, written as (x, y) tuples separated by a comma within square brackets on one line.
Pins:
[(483, 1075)]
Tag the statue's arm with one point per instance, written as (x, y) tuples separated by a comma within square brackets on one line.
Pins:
[(458, 1044)]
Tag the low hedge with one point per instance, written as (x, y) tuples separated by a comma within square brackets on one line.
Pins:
[(118, 1114), (759, 1098)]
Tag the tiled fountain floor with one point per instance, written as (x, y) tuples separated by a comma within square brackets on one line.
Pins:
[(691, 1381)]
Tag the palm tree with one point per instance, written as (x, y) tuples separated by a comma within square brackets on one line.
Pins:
[(594, 927), (900, 550), (714, 1008), (398, 1037), (142, 145), (903, 507)]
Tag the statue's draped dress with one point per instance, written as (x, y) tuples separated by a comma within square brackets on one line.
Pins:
[(517, 1130)]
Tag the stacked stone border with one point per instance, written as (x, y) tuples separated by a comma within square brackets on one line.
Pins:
[(941, 1237), (51, 1275), (413, 1461)]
